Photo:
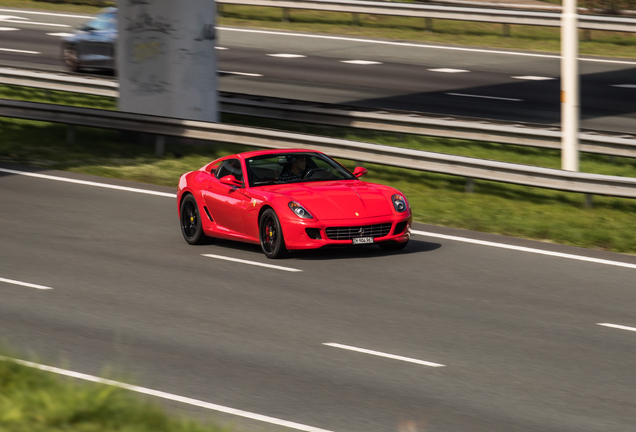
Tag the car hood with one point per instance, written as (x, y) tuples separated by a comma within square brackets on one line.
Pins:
[(338, 199)]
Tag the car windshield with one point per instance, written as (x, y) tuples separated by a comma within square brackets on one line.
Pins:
[(105, 21), (282, 168)]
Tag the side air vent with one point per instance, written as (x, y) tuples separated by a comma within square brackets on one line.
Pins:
[(208, 213)]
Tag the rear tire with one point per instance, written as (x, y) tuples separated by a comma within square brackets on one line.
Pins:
[(191, 222), (70, 55), (393, 246), (271, 235)]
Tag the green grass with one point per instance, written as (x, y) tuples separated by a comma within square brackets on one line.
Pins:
[(32, 400), (436, 199)]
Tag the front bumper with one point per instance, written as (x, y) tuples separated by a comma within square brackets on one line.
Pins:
[(301, 233)]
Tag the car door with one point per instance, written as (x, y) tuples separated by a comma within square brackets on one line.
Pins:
[(226, 203), (97, 47)]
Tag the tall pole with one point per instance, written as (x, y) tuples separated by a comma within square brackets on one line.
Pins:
[(570, 105)]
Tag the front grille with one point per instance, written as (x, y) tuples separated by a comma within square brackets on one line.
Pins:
[(347, 233)]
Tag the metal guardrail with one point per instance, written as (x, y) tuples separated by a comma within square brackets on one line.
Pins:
[(472, 129), (490, 15), (364, 152)]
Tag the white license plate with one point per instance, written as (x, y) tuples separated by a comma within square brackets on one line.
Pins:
[(361, 240)]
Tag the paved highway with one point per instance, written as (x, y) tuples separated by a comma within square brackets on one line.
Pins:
[(461, 331), (485, 83)]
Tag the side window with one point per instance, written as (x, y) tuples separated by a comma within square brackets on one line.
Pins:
[(231, 167)]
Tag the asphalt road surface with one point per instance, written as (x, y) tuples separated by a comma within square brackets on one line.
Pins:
[(484, 83), (489, 336)]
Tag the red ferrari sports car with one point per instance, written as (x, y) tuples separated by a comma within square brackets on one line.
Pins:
[(290, 200)]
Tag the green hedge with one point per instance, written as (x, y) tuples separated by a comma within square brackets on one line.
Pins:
[(99, 3)]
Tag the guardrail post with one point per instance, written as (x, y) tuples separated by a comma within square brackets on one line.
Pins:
[(506, 30), (428, 25), (286, 15), (219, 9), (587, 35), (70, 134), (355, 19), (160, 145), (470, 185), (589, 200)]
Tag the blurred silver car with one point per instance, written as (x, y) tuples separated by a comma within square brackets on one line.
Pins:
[(92, 45)]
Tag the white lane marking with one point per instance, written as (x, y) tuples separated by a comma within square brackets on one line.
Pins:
[(88, 183), (525, 249), (485, 97), (19, 51), (448, 70), (533, 78), (617, 326), (35, 23), (168, 396), (416, 232), (11, 17), (46, 13), (287, 55), (8, 29), (624, 85), (220, 48), (241, 73), (254, 263), (415, 45), (30, 285), (360, 62), (60, 34), (381, 354)]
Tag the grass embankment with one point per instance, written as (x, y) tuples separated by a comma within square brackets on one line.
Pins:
[(32, 400), (436, 199), (413, 29)]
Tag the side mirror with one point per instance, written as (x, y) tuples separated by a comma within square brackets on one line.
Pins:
[(359, 172), (230, 180)]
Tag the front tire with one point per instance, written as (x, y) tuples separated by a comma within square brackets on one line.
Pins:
[(271, 235), (191, 222)]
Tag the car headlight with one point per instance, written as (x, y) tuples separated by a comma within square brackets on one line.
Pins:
[(399, 203), (300, 210)]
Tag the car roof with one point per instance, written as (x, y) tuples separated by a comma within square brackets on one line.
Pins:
[(248, 155)]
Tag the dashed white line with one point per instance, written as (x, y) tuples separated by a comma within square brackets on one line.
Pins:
[(485, 97), (381, 354), (46, 13), (448, 70), (60, 34), (254, 263), (618, 326), (88, 183), (241, 73), (360, 62), (221, 48), (19, 51), (169, 396), (624, 85), (525, 249), (35, 23), (533, 78), (8, 29), (415, 45), (287, 55), (30, 285)]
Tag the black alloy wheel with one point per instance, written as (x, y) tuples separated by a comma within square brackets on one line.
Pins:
[(271, 235), (191, 222)]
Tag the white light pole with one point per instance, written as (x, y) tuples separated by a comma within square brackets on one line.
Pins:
[(570, 105)]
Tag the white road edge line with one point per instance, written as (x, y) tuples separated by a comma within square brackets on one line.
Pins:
[(617, 326), (381, 354), (168, 396), (254, 263), (533, 78), (241, 73), (36, 23), (415, 45), (485, 97), (19, 51), (30, 285), (525, 249), (416, 232), (88, 183)]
